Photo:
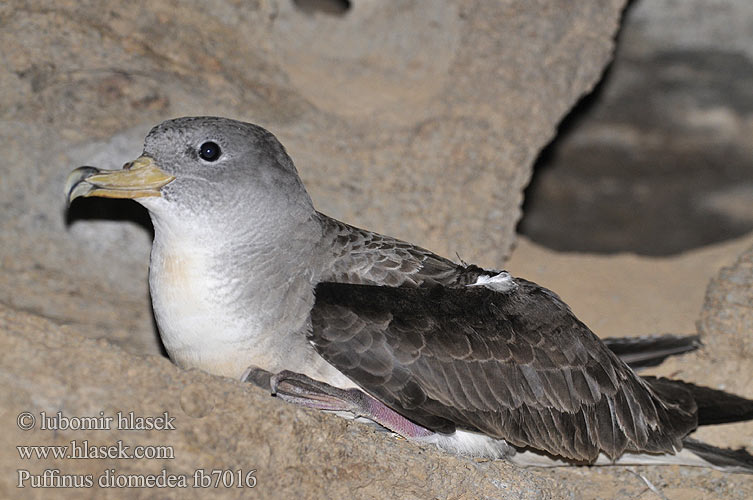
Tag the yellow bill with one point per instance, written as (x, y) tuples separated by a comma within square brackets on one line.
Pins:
[(138, 179)]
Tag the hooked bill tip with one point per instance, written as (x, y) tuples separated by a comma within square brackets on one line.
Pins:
[(75, 185)]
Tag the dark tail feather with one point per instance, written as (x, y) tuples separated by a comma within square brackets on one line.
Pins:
[(714, 407), (641, 352), (725, 459)]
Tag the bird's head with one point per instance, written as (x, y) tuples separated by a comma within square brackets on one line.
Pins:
[(205, 168)]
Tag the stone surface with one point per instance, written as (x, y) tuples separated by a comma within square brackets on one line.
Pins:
[(403, 117), (224, 424), (626, 294), (410, 118), (728, 311), (219, 424), (659, 159)]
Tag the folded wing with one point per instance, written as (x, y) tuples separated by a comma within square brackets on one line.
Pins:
[(517, 366)]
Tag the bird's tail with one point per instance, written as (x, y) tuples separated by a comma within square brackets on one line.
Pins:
[(714, 406), (642, 352), (694, 454), (724, 459)]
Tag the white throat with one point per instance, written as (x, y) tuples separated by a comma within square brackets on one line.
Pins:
[(222, 308), (197, 329)]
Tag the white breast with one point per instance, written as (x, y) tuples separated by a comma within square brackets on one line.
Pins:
[(206, 320), (197, 328)]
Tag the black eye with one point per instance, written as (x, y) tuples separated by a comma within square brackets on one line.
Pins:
[(209, 151)]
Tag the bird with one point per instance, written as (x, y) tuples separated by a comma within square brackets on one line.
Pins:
[(248, 280)]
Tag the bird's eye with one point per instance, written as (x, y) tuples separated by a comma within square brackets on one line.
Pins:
[(209, 151)]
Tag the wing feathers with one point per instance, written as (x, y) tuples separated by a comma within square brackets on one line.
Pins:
[(516, 366), (365, 257)]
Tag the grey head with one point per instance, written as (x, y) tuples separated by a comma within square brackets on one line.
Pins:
[(207, 168)]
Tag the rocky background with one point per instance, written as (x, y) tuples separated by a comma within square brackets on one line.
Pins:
[(415, 118), (658, 159)]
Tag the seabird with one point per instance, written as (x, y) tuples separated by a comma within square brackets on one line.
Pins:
[(249, 281)]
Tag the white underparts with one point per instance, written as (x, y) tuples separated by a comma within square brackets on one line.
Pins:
[(500, 282)]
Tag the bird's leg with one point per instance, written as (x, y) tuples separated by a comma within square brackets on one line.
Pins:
[(302, 390)]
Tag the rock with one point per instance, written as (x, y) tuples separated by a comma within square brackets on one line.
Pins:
[(416, 119), (628, 295), (625, 294), (726, 361), (726, 324), (221, 423), (658, 159), (218, 424)]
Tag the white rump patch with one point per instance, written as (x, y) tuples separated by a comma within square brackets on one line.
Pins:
[(500, 282)]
